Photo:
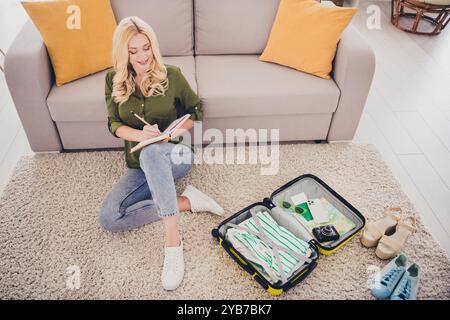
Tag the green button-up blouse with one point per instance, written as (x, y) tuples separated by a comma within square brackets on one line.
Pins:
[(179, 99)]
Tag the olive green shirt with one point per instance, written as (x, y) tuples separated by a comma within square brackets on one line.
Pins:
[(179, 99)]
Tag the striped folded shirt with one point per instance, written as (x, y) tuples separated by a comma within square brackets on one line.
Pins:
[(248, 241)]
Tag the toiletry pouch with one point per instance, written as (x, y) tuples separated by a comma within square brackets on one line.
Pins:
[(296, 219)]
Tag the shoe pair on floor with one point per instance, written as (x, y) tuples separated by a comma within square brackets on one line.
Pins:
[(376, 234), (397, 280), (173, 269)]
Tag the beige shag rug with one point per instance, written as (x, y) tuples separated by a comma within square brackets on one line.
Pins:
[(49, 224)]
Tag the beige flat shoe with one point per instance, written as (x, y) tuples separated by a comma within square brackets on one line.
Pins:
[(376, 229), (390, 246)]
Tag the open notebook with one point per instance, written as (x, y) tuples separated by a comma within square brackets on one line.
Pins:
[(165, 134)]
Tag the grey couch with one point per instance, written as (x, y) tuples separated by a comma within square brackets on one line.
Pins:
[(216, 44)]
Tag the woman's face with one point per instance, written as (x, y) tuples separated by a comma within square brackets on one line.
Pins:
[(140, 53)]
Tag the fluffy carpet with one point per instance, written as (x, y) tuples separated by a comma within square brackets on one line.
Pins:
[(49, 224)]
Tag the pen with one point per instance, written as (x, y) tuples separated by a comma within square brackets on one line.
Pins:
[(142, 119)]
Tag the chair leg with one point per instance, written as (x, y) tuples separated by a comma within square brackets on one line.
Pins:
[(446, 22), (401, 8), (396, 15), (416, 22), (439, 16), (392, 10), (442, 23)]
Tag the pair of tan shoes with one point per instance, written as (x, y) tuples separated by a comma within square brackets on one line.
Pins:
[(389, 233)]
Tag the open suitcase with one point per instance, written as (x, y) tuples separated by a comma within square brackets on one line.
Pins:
[(348, 219)]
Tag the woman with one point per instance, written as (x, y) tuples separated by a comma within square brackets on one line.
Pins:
[(140, 82)]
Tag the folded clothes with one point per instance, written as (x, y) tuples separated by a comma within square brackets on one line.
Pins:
[(274, 250)]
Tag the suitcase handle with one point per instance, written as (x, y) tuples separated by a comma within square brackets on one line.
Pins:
[(268, 203)]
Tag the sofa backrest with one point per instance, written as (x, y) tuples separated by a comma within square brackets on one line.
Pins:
[(233, 26), (172, 21)]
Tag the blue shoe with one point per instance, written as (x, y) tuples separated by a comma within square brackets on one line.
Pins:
[(384, 282), (408, 285)]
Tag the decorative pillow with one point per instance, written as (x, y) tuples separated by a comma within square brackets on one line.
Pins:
[(77, 33), (305, 34)]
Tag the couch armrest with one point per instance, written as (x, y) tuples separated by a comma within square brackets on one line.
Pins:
[(29, 76), (354, 67)]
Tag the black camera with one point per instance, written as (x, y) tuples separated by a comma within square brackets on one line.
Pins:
[(325, 233)]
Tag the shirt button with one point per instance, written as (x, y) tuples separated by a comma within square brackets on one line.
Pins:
[(142, 104)]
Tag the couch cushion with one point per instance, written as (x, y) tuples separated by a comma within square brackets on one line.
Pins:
[(171, 20), (233, 26), (241, 85), (84, 99)]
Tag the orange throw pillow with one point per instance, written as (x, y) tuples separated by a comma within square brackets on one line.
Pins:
[(77, 33), (305, 34)]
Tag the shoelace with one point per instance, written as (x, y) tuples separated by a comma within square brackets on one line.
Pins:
[(171, 260), (391, 277), (405, 290)]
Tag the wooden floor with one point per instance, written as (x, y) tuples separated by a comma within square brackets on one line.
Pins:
[(407, 115)]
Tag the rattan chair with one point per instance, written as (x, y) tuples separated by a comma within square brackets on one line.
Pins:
[(436, 12)]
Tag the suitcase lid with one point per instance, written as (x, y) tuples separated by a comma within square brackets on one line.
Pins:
[(349, 221)]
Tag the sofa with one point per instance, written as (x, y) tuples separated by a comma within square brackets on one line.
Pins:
[(216, 44)]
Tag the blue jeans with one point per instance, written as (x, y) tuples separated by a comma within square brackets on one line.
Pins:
[(145, 195)]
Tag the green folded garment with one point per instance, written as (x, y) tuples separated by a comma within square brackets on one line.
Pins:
[(269, 247)]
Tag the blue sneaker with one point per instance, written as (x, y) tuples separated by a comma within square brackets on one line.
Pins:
[(408, 285), (384, 282)]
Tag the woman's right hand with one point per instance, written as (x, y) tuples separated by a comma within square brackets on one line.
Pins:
[(150, 132)]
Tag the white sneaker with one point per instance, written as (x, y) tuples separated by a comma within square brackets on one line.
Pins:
[(201, 202), (173, 269)]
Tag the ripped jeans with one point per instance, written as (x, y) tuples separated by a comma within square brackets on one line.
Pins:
[(145, 195)]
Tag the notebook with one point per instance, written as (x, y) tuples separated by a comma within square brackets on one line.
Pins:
[(176, 124)]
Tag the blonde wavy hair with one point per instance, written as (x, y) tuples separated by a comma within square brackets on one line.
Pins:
[(154, 81)]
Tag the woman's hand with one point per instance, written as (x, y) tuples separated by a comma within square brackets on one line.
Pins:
[(150, 131)]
